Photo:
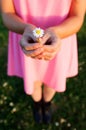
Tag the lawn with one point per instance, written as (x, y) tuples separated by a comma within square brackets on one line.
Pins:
[(15, 105)]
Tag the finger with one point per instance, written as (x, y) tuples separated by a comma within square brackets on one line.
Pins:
[(34, 53), (27, 53), (40, 56), (27, 46), (37, 53), (32, 46), (52, 48), (47, 56), (45, 38)]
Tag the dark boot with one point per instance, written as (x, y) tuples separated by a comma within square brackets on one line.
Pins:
[(37, 111), (48, 109), (47, 112)]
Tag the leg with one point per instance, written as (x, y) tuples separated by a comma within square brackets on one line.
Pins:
[(48, 93), (37, 102), (37, 93)]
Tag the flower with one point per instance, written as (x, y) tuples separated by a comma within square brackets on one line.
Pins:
[(14, 110), (68, 125), (38, 32), (11, 104), (62, 120), (56, 123)]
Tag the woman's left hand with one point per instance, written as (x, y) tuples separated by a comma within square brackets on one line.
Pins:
[(51, 44)]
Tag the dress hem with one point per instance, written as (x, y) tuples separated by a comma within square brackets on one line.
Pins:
[(57, 90)]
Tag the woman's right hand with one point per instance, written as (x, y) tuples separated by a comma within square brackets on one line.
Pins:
[(29, 44)]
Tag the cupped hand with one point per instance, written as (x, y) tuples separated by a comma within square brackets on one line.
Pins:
[(51, 45), (29, 43)]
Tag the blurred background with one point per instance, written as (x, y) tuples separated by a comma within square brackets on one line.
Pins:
[(15, 105)]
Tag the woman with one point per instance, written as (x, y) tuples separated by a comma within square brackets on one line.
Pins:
[(49, 61)]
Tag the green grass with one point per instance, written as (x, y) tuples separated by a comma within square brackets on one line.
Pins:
[(15, 105)]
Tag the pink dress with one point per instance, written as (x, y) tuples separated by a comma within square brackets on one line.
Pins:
[(43, 13)]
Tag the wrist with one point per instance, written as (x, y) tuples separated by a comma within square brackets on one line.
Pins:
[(55, 31), (29, 27)]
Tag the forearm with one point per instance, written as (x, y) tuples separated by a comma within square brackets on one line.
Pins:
[(14, 23), (74, 21), (70, 26)]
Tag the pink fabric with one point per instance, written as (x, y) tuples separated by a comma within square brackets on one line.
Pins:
[(43, 13)]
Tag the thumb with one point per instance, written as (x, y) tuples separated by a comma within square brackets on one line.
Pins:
[(49, 48)]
